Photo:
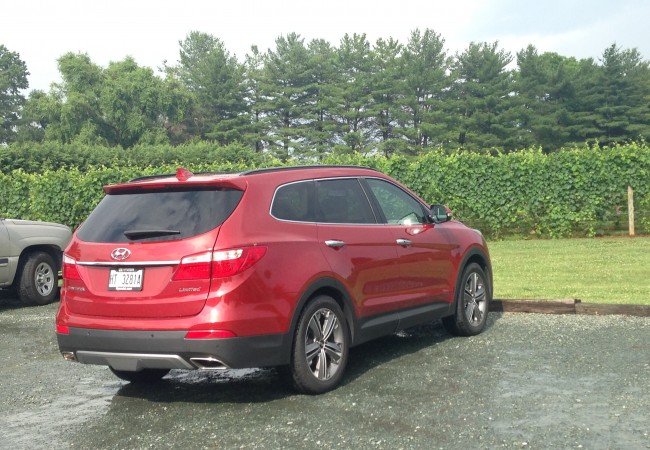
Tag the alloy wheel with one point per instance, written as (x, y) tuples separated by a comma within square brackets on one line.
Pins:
[(324, 342), (475, 298)]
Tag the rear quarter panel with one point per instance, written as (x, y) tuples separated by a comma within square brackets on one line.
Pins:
[(293, 260)]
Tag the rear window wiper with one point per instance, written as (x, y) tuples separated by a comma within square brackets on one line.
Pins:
[(134, 235)]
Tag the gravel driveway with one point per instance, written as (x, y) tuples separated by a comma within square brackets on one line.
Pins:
[(529, 381)]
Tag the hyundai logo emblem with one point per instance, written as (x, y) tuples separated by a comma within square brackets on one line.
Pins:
[(120, 254)]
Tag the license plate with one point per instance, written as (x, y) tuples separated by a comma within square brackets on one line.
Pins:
[(125, 279)]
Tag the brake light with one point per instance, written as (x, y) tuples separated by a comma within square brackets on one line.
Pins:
[(219, 264), (183, 174), (69, 269), (62, 329)]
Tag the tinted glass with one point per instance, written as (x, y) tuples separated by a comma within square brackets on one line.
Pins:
[(158, 215), (293, 202), (342, 201), (398, 206)]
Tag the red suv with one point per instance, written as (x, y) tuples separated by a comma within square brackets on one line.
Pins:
[(271, 267)]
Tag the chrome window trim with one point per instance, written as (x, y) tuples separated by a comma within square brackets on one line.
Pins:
[(128, 264), (275, 193), (315, 180), (424, 206), (417, 199)]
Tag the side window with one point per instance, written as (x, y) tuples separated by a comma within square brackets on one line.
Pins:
[(342, 201), (398, 206), (292, 202)]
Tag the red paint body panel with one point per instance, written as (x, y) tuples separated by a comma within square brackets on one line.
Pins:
[(374, 275)]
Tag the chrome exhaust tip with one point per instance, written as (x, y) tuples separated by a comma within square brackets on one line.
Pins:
[(69, 356), (208, 363)]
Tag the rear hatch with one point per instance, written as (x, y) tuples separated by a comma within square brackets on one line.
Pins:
[(144, 251)]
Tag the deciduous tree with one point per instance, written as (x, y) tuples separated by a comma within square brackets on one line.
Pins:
[(123, 105)]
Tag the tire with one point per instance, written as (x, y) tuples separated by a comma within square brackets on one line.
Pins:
[(472, 303), (320, 347), (142, 376), (38, 282)]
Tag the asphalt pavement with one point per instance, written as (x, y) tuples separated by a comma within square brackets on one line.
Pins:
[(529, 381)]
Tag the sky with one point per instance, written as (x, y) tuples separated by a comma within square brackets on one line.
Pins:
[(41, 31)]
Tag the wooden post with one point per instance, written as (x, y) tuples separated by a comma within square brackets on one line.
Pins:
[(630, 209)]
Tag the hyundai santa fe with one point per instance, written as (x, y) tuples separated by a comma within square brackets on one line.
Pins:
[(270, 267)]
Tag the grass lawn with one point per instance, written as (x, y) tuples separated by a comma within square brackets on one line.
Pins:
[(603, 270)]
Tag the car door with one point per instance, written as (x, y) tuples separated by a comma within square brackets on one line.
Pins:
[(425, 263), (359, 250)]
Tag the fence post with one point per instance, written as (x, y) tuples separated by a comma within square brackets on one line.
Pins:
[(630, 210)]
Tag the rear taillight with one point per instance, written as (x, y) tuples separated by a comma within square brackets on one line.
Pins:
[(226, 263), (69, 269), (194, 267), (219, 264)]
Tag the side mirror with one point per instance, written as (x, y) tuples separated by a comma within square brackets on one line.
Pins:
[(440, 213)]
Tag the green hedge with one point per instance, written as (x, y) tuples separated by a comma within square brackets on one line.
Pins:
[(579, 192), (37, 157)]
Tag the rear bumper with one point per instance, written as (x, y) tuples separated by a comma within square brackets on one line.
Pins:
[(136, 350)]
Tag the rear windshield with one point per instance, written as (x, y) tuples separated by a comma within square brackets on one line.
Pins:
[(158, 215)]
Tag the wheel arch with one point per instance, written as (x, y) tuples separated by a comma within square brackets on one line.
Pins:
[(480, 257), (333, 288), (55, 252)]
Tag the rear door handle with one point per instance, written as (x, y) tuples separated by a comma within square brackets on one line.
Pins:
[(404, 242), (334, 243)]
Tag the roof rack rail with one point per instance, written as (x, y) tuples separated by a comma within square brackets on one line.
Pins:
[(257, 171), (313, 166)]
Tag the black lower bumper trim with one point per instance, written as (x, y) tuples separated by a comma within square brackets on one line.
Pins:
[(237, 353)]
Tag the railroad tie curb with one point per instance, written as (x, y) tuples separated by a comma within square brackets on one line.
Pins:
[(566, 306)]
